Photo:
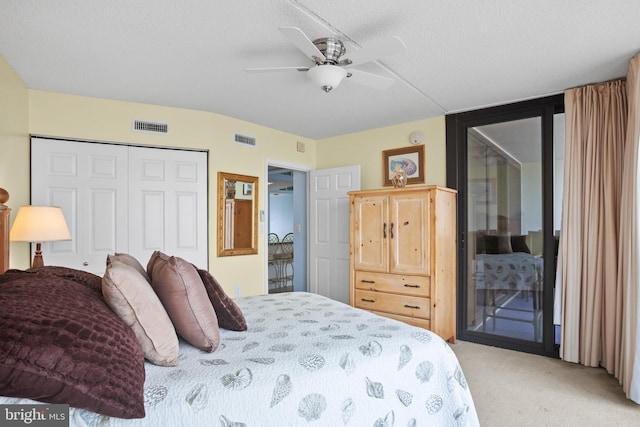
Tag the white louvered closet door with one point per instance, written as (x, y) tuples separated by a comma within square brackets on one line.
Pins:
[(118, 198)]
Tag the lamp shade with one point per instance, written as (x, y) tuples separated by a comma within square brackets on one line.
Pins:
[(327, 76), (39, 224)]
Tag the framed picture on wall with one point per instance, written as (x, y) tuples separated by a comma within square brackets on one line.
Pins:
[(247, 189), (411, 159)]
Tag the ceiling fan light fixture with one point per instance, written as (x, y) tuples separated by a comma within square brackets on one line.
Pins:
[(327, 76)]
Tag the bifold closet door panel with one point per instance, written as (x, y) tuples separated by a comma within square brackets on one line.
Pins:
[(168, 203), (89, 182), (118, 198)]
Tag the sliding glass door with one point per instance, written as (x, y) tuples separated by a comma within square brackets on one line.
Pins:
[(504, 187), (502, 162)]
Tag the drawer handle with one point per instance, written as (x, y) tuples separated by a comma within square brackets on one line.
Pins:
[(368, 281), (368, 300), (391, 230), (406, 285), (417, 307), (384, 230)]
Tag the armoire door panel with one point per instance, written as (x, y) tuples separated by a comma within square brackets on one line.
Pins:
[(407, 230), (371, 233)]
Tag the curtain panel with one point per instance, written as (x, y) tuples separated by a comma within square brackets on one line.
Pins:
[(628, 367), (599, 247)]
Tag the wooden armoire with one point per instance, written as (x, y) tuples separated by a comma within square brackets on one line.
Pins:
[(403, 255)]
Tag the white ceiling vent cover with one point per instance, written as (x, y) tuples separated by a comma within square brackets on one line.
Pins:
[(244, 140), (150, 127)]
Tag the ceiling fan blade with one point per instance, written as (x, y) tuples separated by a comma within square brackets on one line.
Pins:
[(270, 69), (371, 80), (374, 52), (302, 42)]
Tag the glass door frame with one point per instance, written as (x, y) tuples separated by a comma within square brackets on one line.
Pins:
[(457, 126)]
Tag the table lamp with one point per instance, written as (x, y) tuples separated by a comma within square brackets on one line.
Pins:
[(37, 224)]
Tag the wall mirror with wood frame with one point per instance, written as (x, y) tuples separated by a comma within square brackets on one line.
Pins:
[(237, 214)]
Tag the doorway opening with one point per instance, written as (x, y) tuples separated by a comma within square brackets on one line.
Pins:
[(286, 229)]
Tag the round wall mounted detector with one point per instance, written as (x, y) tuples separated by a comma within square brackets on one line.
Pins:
[(416, 137)]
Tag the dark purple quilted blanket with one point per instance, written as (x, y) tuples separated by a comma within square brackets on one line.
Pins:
[(61, 343)]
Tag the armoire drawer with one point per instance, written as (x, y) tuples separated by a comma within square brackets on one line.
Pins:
[(395, 304), (415, 321), (396, 283)]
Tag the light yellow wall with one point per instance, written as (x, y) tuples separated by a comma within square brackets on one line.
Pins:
[(14, 148), (27, 112), (67, 116), (365, 148)]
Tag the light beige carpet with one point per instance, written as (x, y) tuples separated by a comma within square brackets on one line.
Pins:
[(513, 389)]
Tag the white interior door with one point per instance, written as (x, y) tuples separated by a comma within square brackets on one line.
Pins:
[(329, 230), (89, 183), (118, 198)]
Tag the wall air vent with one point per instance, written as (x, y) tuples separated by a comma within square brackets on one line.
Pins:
[(150, 127), (244, 140)]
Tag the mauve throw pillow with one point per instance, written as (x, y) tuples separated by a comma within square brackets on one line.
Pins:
[(61, 343), (179, 287), (132, 298), (229, 314)]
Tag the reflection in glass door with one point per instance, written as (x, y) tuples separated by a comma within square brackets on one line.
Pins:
[(504, 237), (506, 163)]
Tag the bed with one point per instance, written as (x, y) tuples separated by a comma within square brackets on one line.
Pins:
[(516, 272), (302, 359)]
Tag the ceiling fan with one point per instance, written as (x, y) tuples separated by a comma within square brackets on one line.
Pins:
[(332, 66)]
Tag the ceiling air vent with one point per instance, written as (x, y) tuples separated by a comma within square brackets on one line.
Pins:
[(150, 127), (244, 140)]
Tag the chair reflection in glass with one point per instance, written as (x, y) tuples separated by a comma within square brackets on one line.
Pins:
[(283, 263)]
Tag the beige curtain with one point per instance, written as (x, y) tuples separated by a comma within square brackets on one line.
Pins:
[(600, 240), (595, 118), (628, 369)]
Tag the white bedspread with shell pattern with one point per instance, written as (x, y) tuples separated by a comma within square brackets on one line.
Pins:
[(307, 360)]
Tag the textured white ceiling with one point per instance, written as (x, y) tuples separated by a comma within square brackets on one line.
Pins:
[(460, 54)]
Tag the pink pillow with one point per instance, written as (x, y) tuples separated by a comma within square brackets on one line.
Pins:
[(229, 314), (132, 298), (183, 295), (130, 261)]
